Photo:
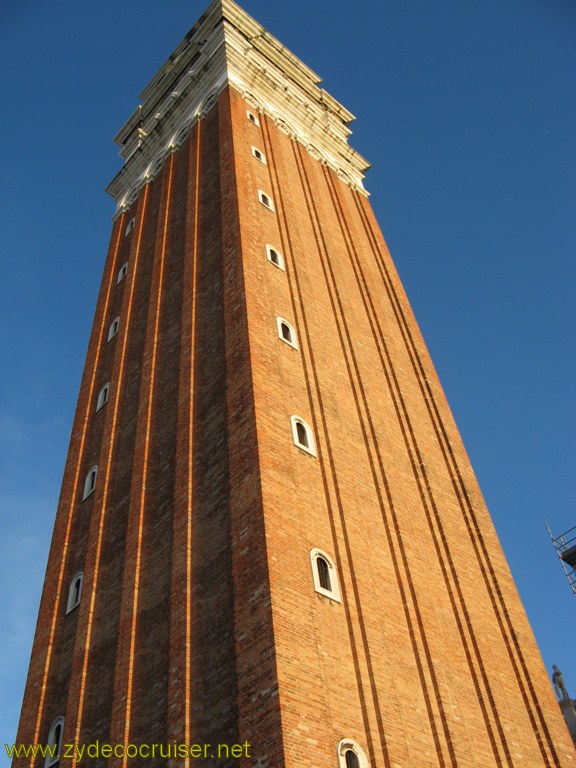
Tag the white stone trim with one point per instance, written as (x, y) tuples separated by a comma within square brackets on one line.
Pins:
[(228, 47), (208, 103), (156, 165)]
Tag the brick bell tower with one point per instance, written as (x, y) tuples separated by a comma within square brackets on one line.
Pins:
[(269, 530)]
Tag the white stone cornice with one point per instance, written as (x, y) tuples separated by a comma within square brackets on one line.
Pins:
[(227, 47)]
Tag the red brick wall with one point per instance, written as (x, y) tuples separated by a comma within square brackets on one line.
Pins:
[(429, 659), (198, 620)]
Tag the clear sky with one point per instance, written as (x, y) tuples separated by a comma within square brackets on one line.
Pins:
[(466, 110)]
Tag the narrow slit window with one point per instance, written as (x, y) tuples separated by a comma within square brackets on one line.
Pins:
[(252, 117), (265, 200), (90, 482), (103, 396), (273, 255), (351, 759), (54, 742), (122, 272), (324, 575), (129, 227), (259, 155), (286, 332), (302, 435), (113, 330), (75, 592)]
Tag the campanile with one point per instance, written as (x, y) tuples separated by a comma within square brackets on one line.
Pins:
[(269, 532)]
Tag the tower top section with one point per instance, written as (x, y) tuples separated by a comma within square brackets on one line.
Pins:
[(225, 47)]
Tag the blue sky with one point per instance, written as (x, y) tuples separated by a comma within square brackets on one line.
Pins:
[(466, 111)]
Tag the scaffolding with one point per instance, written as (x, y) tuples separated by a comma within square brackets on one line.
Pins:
[(565, 546)]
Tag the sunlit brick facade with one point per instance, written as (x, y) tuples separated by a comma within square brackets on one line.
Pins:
[(283, 543)]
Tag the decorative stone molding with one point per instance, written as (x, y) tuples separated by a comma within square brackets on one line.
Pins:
[(156, 165), (227, 47), (312, 150), (252, 101), (283, 126)]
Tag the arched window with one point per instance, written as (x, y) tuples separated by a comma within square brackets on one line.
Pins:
[(252, 117), (103, 396), (75, 592), (302, 435), (265, 200), (130, 226), (286, 332), (274, 255), (122, 272), (113, 330), (351, 755), (90, 482), (324, 574), (54, 742)]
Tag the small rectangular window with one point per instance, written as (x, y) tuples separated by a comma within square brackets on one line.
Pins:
[(265, 200), (274, 256), (259, 155), (103, 396), (252, 117)]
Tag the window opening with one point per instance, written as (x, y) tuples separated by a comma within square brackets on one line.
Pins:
[(75, 592), (90, 482), (55, 736), (113, 330), (302, 435), (265, 200), (122, 272), (103, 396), (259, 155), (275, 257), (324, 575)]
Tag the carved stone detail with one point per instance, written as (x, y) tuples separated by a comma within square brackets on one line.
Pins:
[(228, 48)]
